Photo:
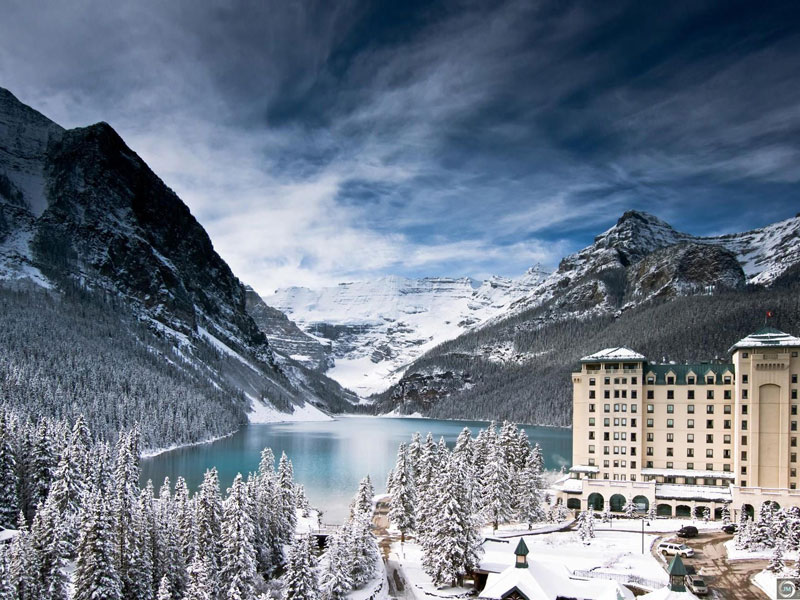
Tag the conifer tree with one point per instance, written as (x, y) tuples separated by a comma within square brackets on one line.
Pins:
[(50, 551), (496, 487), (362, 503), (288, 502), (335, 580), (200, 586), (7, 589), (776, 561), (301, 578), (164, 592), (403, 495), (9, 484), (238, 560), (95, 573), (22, 563), (208, 527), (630, 508), (415, 454)]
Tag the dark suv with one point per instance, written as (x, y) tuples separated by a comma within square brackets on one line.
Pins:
[(730, 528), (687, 531)]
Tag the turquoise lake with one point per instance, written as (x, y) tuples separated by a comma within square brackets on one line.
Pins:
[(329, 457)]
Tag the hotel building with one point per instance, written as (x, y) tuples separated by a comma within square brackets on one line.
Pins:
[(682, 437)]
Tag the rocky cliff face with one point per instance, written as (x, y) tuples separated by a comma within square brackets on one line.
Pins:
[(80, 207)]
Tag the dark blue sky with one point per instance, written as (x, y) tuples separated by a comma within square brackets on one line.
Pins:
[(327, 141)]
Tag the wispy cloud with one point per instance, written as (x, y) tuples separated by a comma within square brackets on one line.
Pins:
[(321, 141)]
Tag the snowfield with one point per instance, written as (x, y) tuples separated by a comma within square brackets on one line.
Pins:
[(263, 413)]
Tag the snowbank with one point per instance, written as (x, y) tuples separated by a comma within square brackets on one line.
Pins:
[(263, 413)]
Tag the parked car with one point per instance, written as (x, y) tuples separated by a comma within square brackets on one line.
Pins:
[(675, 548), (688, 531), (696, 585), (730, 528)]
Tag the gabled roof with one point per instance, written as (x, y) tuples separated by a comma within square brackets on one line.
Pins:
[(699, 370), (767, 337), (614, 355), (522, 549)]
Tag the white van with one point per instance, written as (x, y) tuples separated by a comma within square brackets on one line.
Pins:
[(675, 548)]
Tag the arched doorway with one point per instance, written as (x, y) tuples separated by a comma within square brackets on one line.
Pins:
[(596, 501), (775, 506), (700, 511), (683, 511), (749, 510), (642, 503), (617, 502), (574, 503), (718, 514), (663, 510)]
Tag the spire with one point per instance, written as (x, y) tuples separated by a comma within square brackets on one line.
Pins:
[(522, 553), (677, 575)]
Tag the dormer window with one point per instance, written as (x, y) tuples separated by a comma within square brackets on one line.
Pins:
[(691, 379), (670, 380)]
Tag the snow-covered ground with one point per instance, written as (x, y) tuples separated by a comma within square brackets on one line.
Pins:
[(616, 551), (767, 581), (263, 413), (736, 554)]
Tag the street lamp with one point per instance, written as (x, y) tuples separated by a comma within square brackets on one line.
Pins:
[(648, 524)]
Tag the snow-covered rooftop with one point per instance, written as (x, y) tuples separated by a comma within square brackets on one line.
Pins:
[(610, 354), (768, 337), (585, 469), (666, 593), (547, 582), (570, 485), (693, 492), (690, 473)]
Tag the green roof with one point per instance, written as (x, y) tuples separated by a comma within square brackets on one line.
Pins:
[(682, 371), (676, 567), (522, 549)]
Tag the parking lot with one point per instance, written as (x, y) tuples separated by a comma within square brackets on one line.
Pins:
[(728, 580)]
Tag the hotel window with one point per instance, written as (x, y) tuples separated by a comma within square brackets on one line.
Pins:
[(624, 395), (690, 438), (606, 408), (794, 394), (606, 394), (624, 449), (726, 453), (649, 436), (616, 380), (744, 471), (633, 436), (606, 436), (744, 440), (591, 394), (670, 423), (616, 449), (616, 421), (591, 462), (690, 395), (591, 380), (634, 407), (792, 456), (709, 467), (709, 409), (726, 409), (650, 408), (744, 425), (727, 380), (591, 449), (649, 464), (794, 426), (670, 394), (744, 378), (670, 409), (793, 473), (605, 466), (616, 464), (669, 465), (709, 423), (690, 409), (690, 380), (616, 435), (669, 451), (743, 483), (744, 409), (616, 408), (649, 422), (649, 451), (651, 380), (744, 395), (633, 466), (633, 422), (690, 424), (670, 380), (709, 438), (607, 380), (591, 435), (633, 380), (709, 379), (745, 355), (744, 455), (794, 376), (634, 396), (591, 408), (606, 450), (793, 442), (726, 394), (624, 435), (709, 394), (726, 467), (616, 393), (726, 439), (690, 452), (670, 437), (690, 466), (606, 422), (650, 395), (726, 424), (624, 422)]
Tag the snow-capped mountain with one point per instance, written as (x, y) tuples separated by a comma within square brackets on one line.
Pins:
[(78, 207), (377, 327)]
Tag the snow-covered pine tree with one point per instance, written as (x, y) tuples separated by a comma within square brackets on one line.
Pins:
[(302, 500), (164, 592), (590, 526), (776, 565), (238, 562), (9, 499), (22, 563), (66, 493), (414, 454), (651, 514), (363, 550), (95, 572), (184, 513), (402, 504), (529, 503), (335, 580), (301, 577), (496, 487), (726, 513), (362, 503), (43, 463), (208, 527), (50, 552), (629, 508), (288, 502), (7, 589), (200, 586)]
